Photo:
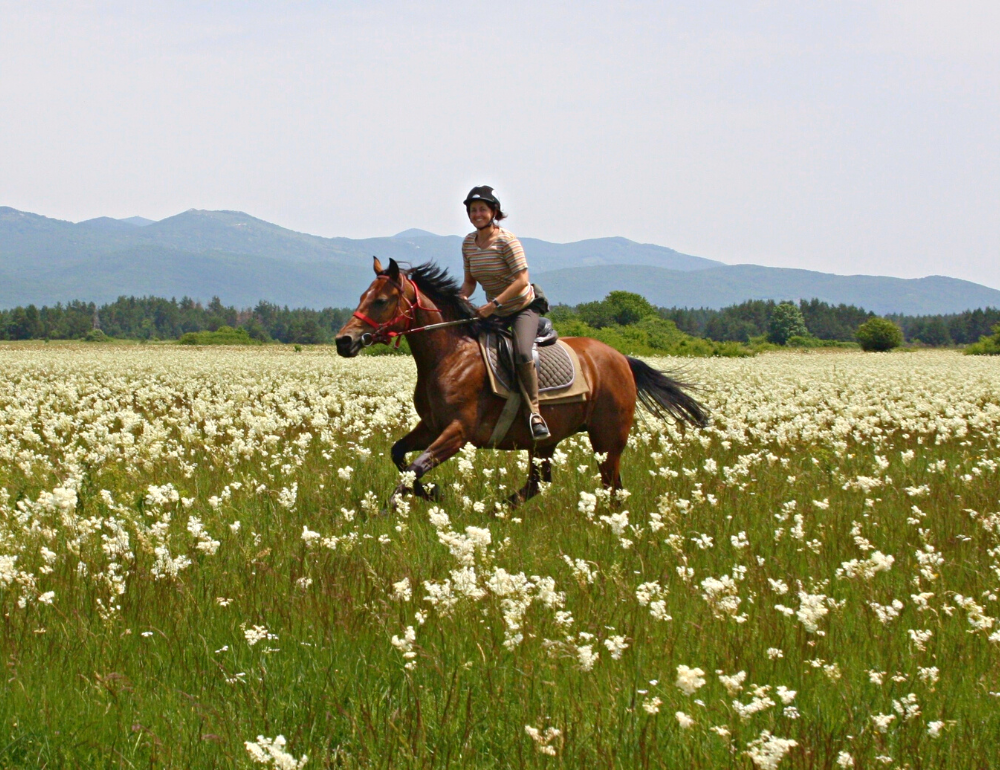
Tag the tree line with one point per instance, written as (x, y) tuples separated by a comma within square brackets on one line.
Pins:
[(824, 321), (155, 318)]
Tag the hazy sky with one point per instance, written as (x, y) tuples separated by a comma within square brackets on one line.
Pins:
[(848, 137)]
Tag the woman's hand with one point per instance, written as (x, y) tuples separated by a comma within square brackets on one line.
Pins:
[(486, 310)]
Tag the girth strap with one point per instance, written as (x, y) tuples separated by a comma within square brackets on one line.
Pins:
[(506, 419)]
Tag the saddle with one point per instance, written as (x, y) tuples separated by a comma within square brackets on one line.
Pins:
[(559, 373)]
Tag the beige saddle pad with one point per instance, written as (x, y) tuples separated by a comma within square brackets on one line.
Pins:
[(560, 377)]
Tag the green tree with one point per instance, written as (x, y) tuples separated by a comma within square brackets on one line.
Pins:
[(786, 321), (594, 314), (935, 333), (627, 308), (24, 323), (879, 334), (256, 330)]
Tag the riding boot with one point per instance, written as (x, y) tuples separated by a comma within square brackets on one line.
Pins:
[(528, 377)]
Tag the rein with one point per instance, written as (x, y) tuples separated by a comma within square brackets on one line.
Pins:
[(385, 333)]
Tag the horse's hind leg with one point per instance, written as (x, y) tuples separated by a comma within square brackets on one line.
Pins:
[(609, 440), (539, 469), (611, 477)]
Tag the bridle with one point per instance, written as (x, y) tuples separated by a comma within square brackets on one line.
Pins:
[(385, 333)]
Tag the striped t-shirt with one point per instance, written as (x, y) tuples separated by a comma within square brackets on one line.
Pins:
[(495, 267)]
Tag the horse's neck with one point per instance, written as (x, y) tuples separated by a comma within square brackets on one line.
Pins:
[(431, 348)]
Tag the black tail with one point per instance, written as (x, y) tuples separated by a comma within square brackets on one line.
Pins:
[(662, 396)]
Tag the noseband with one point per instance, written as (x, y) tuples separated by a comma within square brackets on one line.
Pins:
[(384, 332)]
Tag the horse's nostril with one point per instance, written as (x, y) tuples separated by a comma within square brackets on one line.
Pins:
[(344, 344)]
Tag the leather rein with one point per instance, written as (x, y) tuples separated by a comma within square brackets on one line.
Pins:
[(385, 333)]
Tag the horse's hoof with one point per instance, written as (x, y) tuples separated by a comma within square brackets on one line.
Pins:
[(519, 497), (393, 505)]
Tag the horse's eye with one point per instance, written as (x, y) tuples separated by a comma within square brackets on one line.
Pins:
[(379, 303)]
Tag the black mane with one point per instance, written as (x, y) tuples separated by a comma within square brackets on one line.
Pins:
[(445, 292)]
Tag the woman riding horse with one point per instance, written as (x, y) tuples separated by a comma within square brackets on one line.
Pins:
[(493, 257), (453, 396)]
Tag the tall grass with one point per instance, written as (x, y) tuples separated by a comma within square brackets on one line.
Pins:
[(164, 674)]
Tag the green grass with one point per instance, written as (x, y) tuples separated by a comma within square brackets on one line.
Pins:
[(169, 679)]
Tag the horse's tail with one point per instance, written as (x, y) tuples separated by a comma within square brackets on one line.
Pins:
[(662, 396)]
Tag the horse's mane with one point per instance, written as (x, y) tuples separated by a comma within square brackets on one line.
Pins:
[(445, 292)]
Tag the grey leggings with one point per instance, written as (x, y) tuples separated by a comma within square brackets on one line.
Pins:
[(524, 327)]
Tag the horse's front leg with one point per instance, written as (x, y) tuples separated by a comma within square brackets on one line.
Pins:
[(445, 446), (418, 438)]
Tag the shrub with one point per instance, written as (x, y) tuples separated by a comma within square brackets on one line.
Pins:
[(814, 342), (652, 336), (388, 350), (878, 335), (786, 322), (987, 346), (224, 335), (95, 335)]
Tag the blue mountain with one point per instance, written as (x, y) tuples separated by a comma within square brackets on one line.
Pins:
[(243, 259)]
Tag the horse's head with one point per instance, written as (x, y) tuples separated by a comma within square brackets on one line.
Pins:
[(385, 307)]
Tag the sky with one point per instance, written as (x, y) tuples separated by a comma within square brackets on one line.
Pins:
[(846, 137)]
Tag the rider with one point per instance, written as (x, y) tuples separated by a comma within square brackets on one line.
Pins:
[(493, 257)]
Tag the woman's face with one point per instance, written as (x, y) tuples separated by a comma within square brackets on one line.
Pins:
[(480, 214)]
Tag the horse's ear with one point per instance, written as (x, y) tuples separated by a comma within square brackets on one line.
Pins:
[(378, 266), (393, 271)]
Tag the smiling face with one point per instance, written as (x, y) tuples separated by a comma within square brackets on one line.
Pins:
[(480, 214)]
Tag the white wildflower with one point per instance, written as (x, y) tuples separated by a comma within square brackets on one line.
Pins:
[(734, 683), (812, 609), (401, 591), (616, 646), (587, 657), (265, 751), (545, 742), (767, 751), (257, 634), (689, 680), (308, 536)]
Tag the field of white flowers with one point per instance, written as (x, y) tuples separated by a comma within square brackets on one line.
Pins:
[(194, 571)]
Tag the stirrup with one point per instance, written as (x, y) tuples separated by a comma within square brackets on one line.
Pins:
[(539, 430)]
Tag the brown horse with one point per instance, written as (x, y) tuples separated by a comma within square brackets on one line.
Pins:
[(453, 396)]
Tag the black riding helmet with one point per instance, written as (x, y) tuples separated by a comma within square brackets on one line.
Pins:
[(483, 193)]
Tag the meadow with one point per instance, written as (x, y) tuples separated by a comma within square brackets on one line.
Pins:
[(194, 571)]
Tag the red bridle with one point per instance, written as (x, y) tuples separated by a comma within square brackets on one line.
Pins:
[(384, 331)]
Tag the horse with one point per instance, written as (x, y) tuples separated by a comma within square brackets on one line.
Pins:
[(453, 397)]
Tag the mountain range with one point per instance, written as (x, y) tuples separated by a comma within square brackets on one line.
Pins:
[(243, 259)]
